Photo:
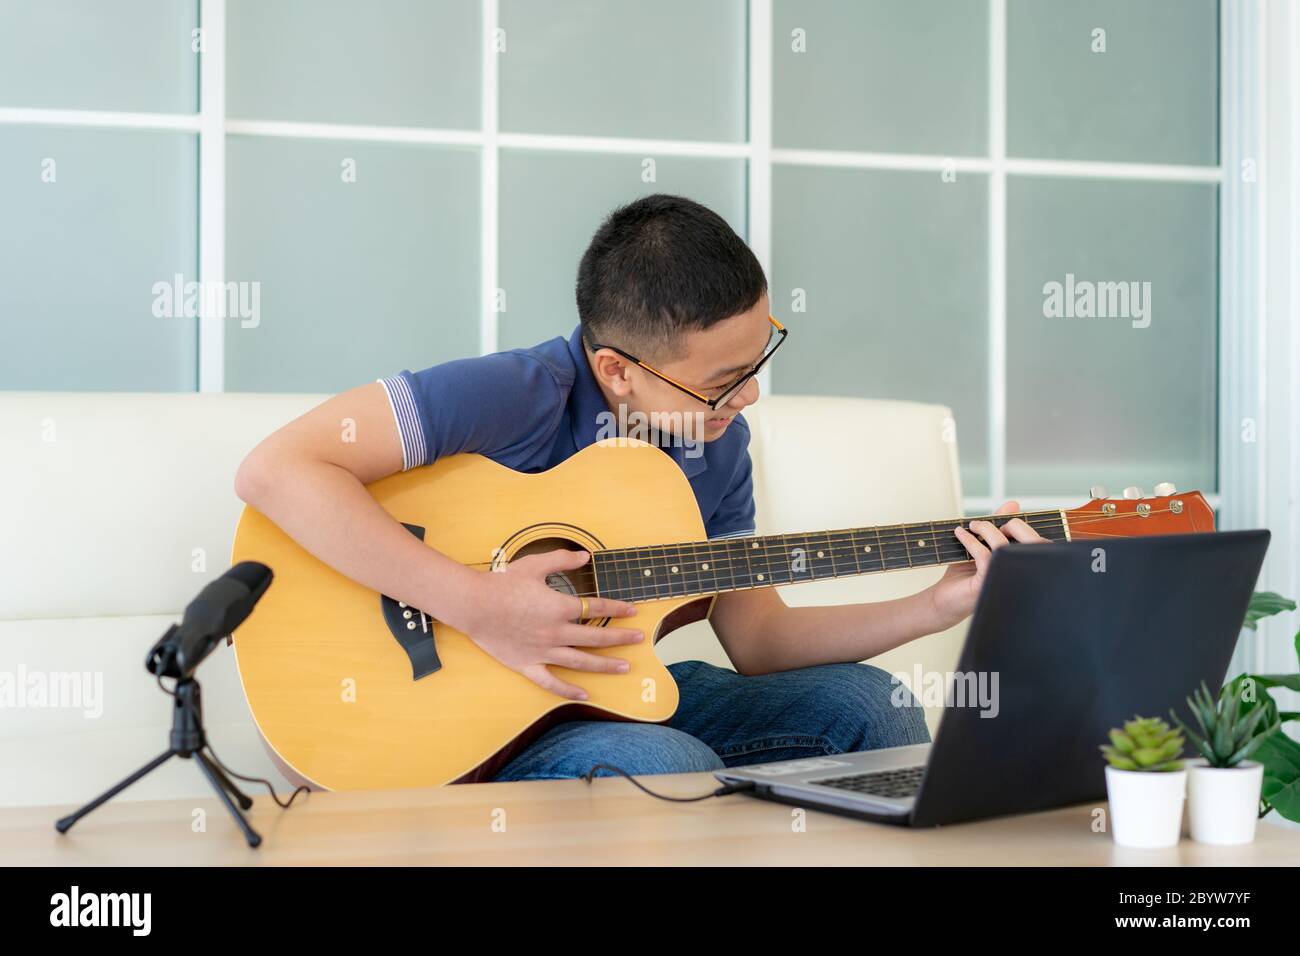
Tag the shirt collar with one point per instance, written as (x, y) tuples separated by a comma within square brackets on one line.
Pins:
[(590, 411)]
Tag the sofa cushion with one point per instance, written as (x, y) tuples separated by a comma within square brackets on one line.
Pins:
[(122, 504)]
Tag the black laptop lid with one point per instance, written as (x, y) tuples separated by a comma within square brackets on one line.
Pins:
[(1080, 637)]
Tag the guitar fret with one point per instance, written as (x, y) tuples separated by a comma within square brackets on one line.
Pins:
[(891, 558), (706, 570), (675, 581), (830, 551), (710, 579), (744, 563), (749, 565), (640, 583), (666, 582), (694, 564), (842, 552), (622, 576), (821, 555), (617, 574), (661, 577), (630, 582), (855, 548), (794, 557), (793, 565), (692, 573), (762, 553), (924, 547), (732, 549)]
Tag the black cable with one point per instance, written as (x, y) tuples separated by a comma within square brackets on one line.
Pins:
[(239, 776), (720, 792), (266, 783), (588, 776)]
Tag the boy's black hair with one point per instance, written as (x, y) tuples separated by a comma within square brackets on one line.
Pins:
[(660, 266)]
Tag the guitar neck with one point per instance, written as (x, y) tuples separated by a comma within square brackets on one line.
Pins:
[(656, 572)]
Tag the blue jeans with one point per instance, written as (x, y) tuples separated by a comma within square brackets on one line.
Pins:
[(727, 720)]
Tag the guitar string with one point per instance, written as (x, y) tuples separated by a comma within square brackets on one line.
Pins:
[(851, 539), (896, 532), (628, 558), (842, 546), (628, 585), (944, 552), (727, 563)]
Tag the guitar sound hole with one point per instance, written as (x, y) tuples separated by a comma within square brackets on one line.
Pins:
[(578, 582)]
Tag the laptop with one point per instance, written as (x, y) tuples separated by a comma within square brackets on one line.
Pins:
[(1067, 641)]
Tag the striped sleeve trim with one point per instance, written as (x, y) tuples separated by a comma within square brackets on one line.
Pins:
[(734, 534), (414, 451)]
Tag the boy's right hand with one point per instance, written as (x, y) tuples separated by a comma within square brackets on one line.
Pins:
[(527, 625)]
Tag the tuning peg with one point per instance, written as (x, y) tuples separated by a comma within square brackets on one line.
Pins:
[(1165, 489), (1132, 491), (1097, 491)]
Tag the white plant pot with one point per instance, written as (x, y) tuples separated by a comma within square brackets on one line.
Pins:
[(1146, 808), (1223, 804)]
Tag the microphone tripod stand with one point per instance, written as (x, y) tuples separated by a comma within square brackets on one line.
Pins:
[(187, 741)]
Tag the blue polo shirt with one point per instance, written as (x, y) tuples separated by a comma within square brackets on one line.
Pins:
[(530, 409)]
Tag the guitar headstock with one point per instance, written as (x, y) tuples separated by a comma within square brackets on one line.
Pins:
[(1165, 512)]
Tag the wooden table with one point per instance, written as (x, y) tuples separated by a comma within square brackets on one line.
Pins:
[(569, 822)]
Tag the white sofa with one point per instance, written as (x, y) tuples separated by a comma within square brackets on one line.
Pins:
[(116, 508)]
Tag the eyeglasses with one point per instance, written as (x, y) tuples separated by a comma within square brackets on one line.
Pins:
[(723, 393)]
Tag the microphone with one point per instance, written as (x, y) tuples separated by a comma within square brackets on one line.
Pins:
[(219, 608)]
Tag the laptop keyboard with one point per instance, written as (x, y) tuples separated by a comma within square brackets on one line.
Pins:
[(900, 783)]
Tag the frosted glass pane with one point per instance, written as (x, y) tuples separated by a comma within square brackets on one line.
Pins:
[(892, 268), (881, 75), (90, 221), (128, 55), (552, 203), (380, 63), (358, 279), (672, 69), (1151, 96), (1125, 399)]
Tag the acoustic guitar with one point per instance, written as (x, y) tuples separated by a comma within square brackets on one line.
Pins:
[(352, 689)]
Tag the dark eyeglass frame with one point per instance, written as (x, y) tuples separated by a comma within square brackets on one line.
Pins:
[(729, 390)]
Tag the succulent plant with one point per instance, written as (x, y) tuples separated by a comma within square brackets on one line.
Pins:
[(1145, 743), (1228, 735)]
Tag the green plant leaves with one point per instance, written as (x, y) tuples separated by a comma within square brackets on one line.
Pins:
[(1145, 743), (1118, 760), (1265, 604), (1227, 737), (1280, 756), (1289, 681)]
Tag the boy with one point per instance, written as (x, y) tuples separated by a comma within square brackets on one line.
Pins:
[(674, 323)]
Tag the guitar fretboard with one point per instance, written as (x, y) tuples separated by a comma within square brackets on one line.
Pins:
[(732, 564)]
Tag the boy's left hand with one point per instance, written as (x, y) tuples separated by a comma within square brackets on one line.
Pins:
[(953, 595)]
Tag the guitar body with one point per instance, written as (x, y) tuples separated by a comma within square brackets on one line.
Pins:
[(336, 695)]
